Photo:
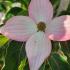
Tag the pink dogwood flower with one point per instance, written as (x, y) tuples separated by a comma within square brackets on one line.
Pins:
[(37, 30)]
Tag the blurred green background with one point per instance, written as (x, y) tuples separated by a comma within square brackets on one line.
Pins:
[(12, 53)]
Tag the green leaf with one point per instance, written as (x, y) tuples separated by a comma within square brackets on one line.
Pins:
[(3, 40), (2, 7), (55, 4), (15, 11), (12, 56), (63, 6), (22, 64), (56, 62)]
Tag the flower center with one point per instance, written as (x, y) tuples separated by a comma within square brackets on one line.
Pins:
[(41, 26)]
